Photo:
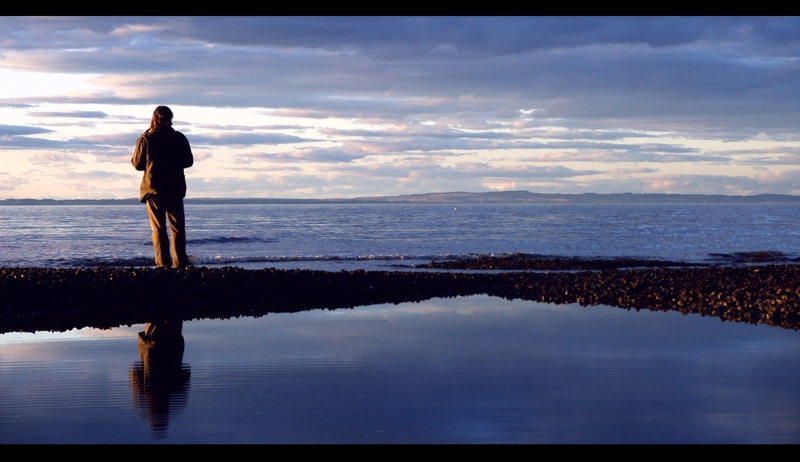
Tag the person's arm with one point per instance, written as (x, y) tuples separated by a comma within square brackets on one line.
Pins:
[(139, 159), (188, 158)]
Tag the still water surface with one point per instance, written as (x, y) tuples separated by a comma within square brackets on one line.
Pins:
[(466, 370)]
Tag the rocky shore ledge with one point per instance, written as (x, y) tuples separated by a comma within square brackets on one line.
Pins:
[(539, 263), (38, 299)]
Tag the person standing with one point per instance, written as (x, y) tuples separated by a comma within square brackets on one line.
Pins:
[(162, 153)]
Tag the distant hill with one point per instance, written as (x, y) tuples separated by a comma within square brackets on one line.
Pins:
[(492, 197)]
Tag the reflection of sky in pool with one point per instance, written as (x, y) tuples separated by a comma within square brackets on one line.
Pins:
[(475, 369)]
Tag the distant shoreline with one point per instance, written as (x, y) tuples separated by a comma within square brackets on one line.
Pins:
[(493, 197)]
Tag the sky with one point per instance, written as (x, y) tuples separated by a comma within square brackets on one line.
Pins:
[(318, 107)]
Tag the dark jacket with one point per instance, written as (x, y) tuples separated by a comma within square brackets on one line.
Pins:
[(162, 154)]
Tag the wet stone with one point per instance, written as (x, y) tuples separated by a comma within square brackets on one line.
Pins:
[(46, 299)]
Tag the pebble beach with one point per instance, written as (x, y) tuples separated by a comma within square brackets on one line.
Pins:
[(60, 299)]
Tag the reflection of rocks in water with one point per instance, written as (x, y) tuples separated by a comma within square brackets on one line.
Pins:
[(160, 382), (35, 299)]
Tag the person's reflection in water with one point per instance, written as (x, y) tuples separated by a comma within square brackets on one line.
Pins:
[(160, 382)]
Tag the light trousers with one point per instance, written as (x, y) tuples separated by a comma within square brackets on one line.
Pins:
[(160, 210)]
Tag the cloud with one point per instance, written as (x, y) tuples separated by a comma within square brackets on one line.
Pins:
[(304, 155), (779, 155), (761, 182), (24, 142), (401, 104), (586, 68), (53, 157), (16, 105), (93, 143), (9, 183), (348, 179), (115, 156), (628, 154), (103, 175), (244, 139), (127, 139), (17, 130), (70, 114), (627, 172), (527, 172), (493, 35), (246, 128)]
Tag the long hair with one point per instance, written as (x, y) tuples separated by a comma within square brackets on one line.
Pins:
[(162, 117)]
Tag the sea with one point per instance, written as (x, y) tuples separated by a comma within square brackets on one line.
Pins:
[(473, 369), (394, 236)]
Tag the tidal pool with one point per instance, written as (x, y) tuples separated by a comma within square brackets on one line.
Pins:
[(473, 369)]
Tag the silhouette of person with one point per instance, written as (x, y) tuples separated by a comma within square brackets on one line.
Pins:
[(162, 153)]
